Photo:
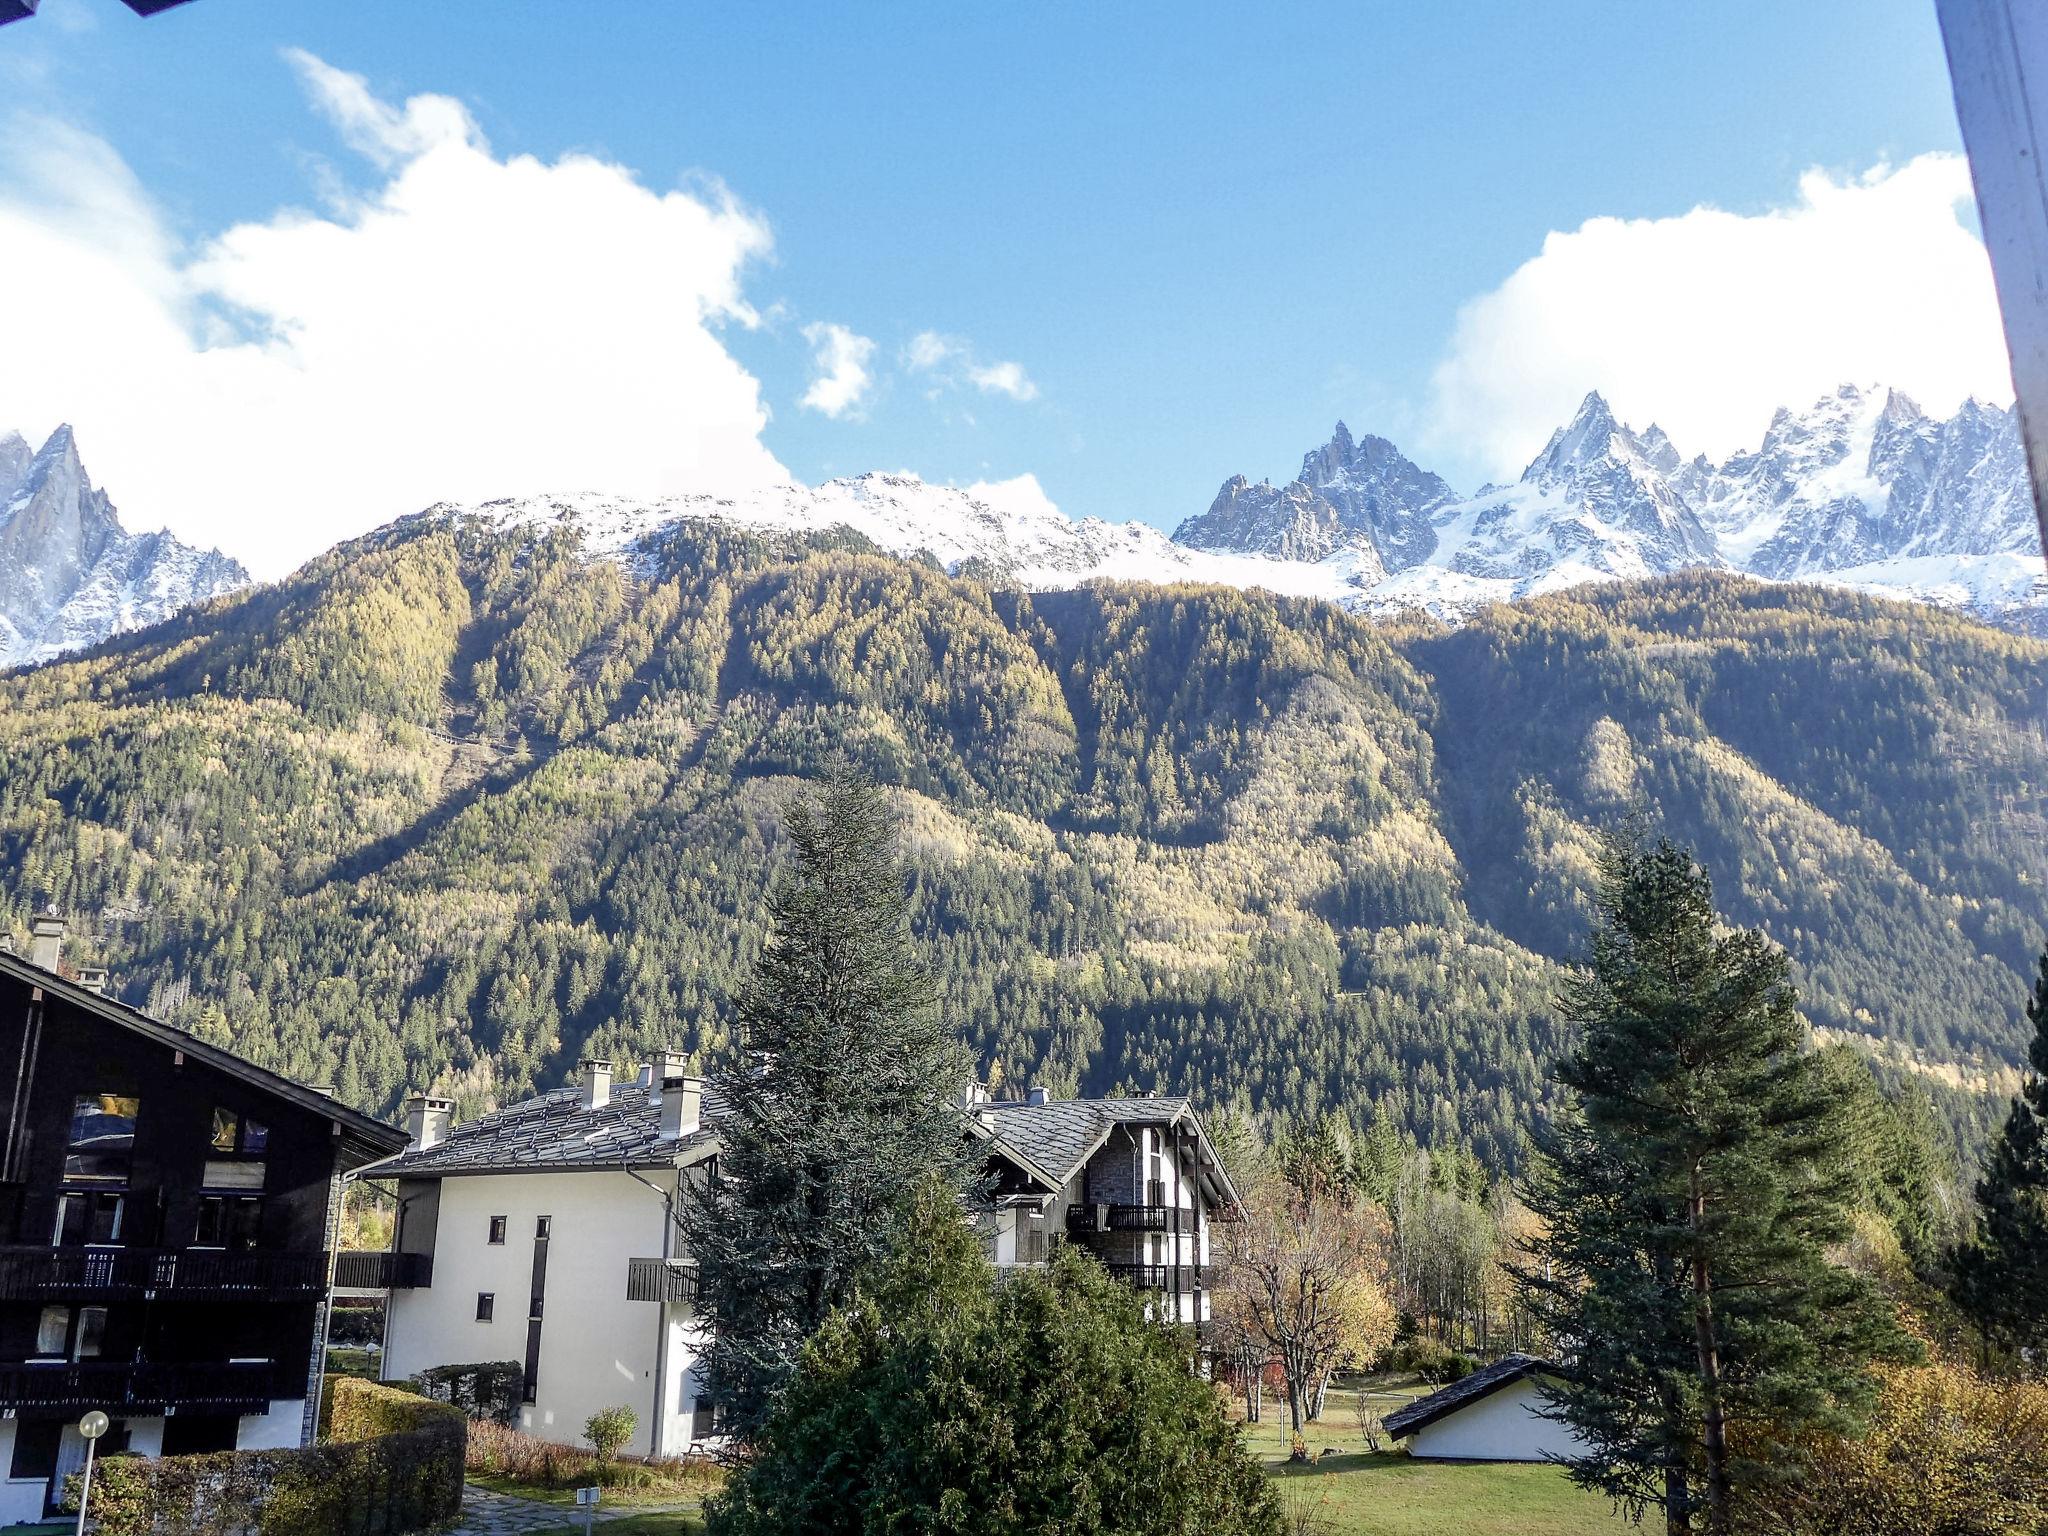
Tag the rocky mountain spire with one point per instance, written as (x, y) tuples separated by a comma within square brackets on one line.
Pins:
[(70, 574)]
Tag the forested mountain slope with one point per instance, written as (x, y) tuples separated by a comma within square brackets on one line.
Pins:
[(455, 805)]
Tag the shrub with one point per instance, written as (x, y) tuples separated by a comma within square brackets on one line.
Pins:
[(391, 1463), (610, 1428), (1947, 1453), (355, 1322), (498, 1452), (493, 1389), (946, 1399)]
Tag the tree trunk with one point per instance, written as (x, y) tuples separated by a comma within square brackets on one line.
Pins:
[(1676, 1521), (1713, 1426)]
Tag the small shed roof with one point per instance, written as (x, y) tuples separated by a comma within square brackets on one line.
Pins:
[(1484, 1382)]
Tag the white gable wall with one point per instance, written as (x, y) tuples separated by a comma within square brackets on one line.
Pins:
[(1502, 1426), (597, 1348)]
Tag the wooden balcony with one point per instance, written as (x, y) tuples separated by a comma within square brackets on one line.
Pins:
[(383, 1271), (34, 1273), (240, 1387), (660, 1280), (1180, 1279), (1085, 1220)]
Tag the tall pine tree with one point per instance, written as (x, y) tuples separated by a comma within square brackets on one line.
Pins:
[(840, 1086), (2002, 1276), (1689, 1195)]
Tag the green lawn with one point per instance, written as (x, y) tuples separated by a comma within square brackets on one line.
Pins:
[(676, 1523), (666, 1498), (1362, 1494)]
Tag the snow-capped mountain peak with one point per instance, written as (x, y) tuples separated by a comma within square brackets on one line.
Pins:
[(70, 575), (1860, 488)]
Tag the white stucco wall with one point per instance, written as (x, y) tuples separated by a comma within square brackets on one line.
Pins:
[(1502, 1426), (597, 1348)]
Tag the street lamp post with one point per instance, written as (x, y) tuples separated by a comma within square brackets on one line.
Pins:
[(92, 1426)]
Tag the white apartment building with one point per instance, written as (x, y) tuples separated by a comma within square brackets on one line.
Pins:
[(544, 1232)]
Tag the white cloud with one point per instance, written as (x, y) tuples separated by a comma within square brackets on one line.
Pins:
[(840, 358), (467, 327), (1707, 322), (1003, 379), (951, 362)]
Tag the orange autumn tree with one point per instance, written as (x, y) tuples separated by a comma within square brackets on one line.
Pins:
[(1305, 1275)]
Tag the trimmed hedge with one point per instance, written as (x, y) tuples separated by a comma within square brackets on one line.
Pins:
[(491, 1389), (390, 1463)]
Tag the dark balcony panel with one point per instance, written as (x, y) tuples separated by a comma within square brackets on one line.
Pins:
[(660, 1280), (1131, 1218), (74, 1386), (16, 10), (1182, 1279), (383, 1271), (150, 7), (55, 1274)]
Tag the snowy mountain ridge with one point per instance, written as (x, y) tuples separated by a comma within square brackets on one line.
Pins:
[(70, 574), (1862, 490)]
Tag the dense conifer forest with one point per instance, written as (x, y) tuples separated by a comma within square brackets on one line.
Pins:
[(454, 806)]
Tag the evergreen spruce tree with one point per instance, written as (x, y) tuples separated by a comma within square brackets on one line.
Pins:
[(2002, 1277), (840, 1087), (1689, 1194)]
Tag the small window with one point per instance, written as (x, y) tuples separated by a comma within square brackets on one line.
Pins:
[(486, 1304), (88, 1217), (197, 1434), (228, 1221), (497, 1229), (102, 1138), (92, 1331), (35, 1448), (53, 1332), (543, 1228), (239, 1136)]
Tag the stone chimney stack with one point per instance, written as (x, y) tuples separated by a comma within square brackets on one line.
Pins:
[(682, 1107), (426, 1121), (46, 941), (1034, 1095), (93, 978), (973, 1096), (597, 1082), (666, 1065)]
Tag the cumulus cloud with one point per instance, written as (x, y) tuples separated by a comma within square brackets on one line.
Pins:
[(1708, 321), (840, 377), (951, 362), (465, 327)]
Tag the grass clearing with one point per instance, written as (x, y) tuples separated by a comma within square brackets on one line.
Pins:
[(1353, 1491)]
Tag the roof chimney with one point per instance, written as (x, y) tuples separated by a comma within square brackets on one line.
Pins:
[(682, 1106), (426, 1121), (93, 978), (665, 1066), (597, 1081), (973, 1095), (46, 941), (1034, 1095)]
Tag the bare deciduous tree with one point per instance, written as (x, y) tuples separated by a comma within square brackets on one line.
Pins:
[(1305, 1273)]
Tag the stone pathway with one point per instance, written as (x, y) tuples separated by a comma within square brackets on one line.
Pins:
[(485, 1513)]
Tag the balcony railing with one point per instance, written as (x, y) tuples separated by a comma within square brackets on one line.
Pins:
[(244, 1386), (1083, 1219), (660, 1280), (29, 1273), (1181, 1279), (383, 1271)]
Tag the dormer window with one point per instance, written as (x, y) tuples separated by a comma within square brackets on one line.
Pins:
[(239, 1147), (102, 1141)]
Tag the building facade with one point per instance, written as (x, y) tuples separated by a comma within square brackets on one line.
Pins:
[(167, 1218), (544, 1233)]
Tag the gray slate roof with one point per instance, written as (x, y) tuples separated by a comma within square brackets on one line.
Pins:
[(1484, 1382), (554, 1131), (1059, 1134)]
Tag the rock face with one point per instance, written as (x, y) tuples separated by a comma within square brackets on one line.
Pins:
[(70, 574), (1863, 489), (1362, 496)]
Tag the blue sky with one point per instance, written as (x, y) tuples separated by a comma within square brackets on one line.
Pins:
[(1200, 232)]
